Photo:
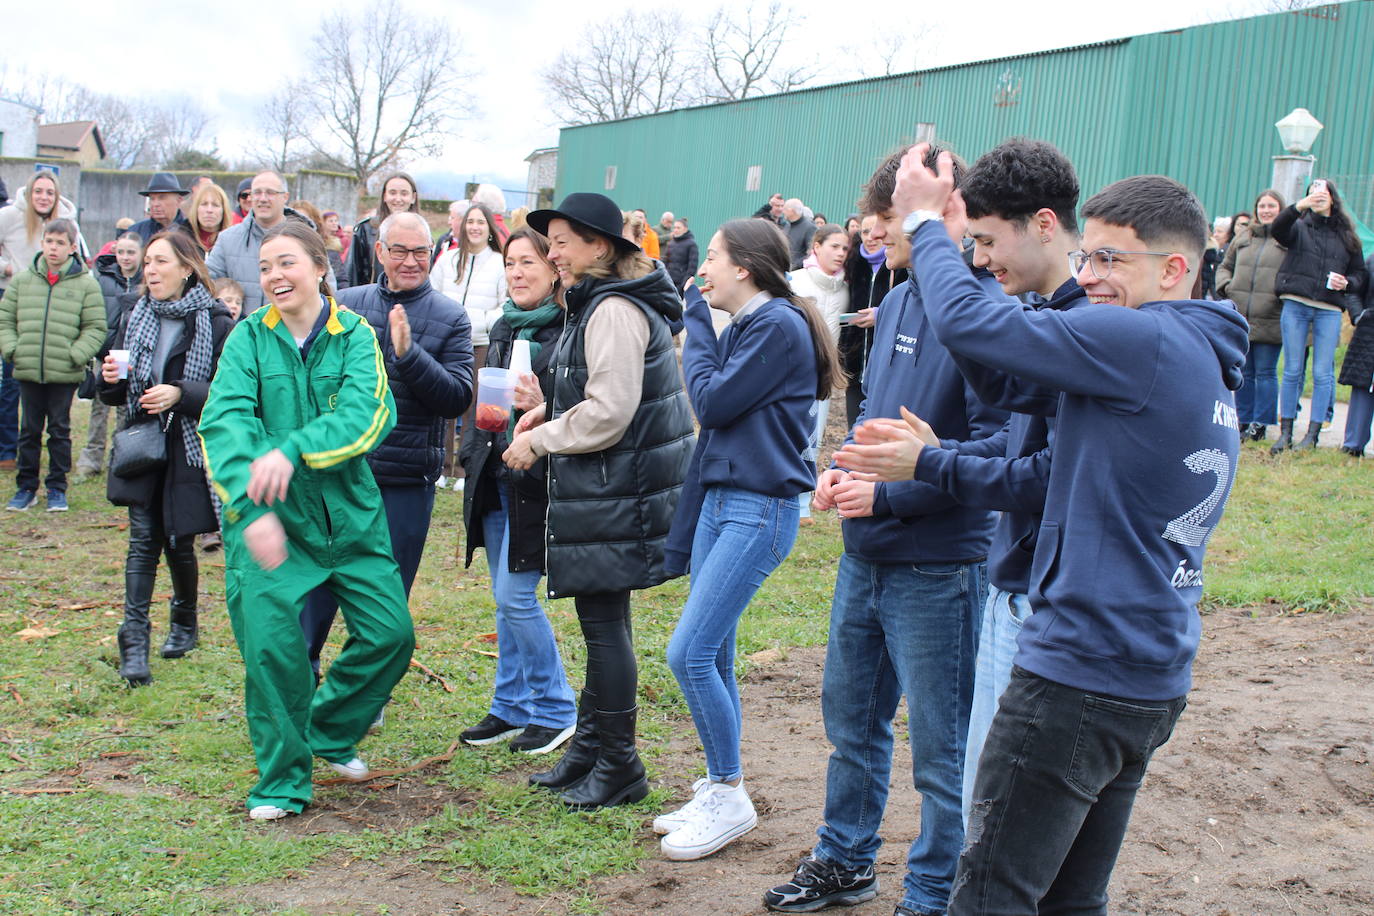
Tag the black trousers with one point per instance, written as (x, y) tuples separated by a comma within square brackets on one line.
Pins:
[(612, 671), (43, 405), (148, 542)]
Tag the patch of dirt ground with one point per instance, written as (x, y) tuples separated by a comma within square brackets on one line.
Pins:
[(1262, 802)]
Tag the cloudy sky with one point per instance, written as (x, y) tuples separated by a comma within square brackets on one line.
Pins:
[(231, 56)]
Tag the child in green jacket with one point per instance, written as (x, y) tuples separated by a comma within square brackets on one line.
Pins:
[(299, 398), (52, 321)]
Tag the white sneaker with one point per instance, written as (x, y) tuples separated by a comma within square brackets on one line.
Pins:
[(723, 815), (268, 813), (458, 484), (355, 770), (673, 820), (441, 483)]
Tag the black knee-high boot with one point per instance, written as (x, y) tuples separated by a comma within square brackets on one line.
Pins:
[(618, 777), (134, 631), (577, 761), (184, 630)]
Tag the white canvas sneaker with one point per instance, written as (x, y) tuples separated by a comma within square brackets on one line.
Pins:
[(354, 770), (723, 815), (267, 813), (672, 820)]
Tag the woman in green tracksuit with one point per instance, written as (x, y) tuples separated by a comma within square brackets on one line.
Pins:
[(299, 398)]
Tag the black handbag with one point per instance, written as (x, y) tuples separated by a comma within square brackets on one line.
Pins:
[(139, 448)]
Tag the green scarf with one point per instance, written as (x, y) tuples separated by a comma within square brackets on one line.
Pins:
[(525, 322)]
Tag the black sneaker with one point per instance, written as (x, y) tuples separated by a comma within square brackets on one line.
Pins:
[(818, 884), (489, 731), (540, 739)]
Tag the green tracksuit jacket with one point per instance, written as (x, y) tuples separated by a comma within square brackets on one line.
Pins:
[(325, 412)]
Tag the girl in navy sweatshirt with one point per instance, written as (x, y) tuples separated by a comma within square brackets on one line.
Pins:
[(752, 390)]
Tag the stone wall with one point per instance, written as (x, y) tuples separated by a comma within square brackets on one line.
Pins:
[(107, 195)]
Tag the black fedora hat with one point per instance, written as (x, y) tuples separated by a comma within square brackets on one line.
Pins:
[(596, 212), (164, 183)]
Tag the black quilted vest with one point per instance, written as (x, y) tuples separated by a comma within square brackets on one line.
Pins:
[(610, 511)]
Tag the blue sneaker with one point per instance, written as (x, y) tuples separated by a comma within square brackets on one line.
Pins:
[(57, 501), (22, 500)]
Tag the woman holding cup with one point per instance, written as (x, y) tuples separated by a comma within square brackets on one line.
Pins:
[(159, 370), (1323, 265), (617, 432), (504, 511)]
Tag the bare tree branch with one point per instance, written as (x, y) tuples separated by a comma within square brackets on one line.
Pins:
[(637, 64), (744, 53), (285, 124), (387, 87)]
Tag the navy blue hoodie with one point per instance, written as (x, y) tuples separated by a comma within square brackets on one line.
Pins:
[(1014, 479), (914, 522), (753, 392), (1145, 453)]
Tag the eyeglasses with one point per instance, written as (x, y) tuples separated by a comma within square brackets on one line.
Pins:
[(1102, 259), (264, 193), (399, 253), (244, 196)]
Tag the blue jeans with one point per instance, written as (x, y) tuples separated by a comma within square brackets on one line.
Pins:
[(531, 687), (1061, 770), (1257, 399), (9, 414), (1003, 615), (1325, 325), (894, 630), (740, 538), (1358, 419)]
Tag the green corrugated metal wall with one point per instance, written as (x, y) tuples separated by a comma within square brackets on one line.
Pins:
[(1198, 104)]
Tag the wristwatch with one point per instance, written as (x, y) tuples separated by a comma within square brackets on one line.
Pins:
[(916, 217)]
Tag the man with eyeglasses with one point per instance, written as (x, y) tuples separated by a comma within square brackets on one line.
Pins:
[(426, 342), (1145, 449), (235, 254)]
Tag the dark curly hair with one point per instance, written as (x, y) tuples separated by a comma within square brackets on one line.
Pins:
[(1020, 177)]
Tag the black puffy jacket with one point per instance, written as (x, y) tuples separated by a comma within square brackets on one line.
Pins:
[(610, 511), (1315, 249), (113, 284), (1358, 368), (681, 259), (431, 382), (481, 458), (361, 266)]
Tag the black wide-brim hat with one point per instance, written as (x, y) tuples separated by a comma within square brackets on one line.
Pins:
[(596, 212), (164, 183)]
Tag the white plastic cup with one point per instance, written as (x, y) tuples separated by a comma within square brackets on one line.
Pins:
[(121, 358), (495, 394), (520, 358), (1331, 280)]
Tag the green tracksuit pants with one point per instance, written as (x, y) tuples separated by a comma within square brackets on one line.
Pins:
[(289, 719)]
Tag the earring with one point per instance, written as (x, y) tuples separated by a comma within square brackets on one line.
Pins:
[(1045, 239)]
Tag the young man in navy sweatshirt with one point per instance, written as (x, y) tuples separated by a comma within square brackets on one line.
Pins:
[(1021, 199), (1146, 441), (904, 619)]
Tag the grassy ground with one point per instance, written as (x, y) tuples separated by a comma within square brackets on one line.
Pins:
[(132, 801)]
